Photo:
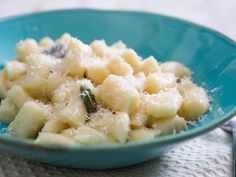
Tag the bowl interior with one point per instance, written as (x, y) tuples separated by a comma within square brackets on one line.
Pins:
[(212, 57)]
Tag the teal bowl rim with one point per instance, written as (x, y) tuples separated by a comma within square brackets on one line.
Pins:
[(28, 143)]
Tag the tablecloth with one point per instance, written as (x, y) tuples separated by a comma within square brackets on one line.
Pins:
[(206, 156)]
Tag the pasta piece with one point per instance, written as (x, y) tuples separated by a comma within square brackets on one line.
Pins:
[(168, 125), (131, 57), (136, 80), (149, 65), (98, 120), (53, 138), (143, 134), (195, 103), (138, 119), (29, 120), (18, 96), (8, 111), (86, 135), (185, 84), (54, 125), (3, 84), (65, 39), (55, 79), (119, 46), (118, 95), (83, 51), (26, 48), (74, 113), (97, 71), (63, 93), (72, 64), (118, 67), (46, 42), (118, 127), (164, 104), (178, 69), (18, 81), (38, 69), (99, 47), (15, 70), (156, 82)]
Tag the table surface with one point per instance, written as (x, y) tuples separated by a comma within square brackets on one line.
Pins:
[(213, 159)]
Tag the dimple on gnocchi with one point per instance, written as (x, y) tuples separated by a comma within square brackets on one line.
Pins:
[(67, 92)]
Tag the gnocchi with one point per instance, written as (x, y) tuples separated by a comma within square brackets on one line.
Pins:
[(67, 92)]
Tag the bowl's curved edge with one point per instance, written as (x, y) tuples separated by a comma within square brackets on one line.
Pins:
[(21, 142), (26, 15)]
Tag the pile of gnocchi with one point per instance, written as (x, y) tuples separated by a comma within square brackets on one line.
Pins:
[(68, 92)]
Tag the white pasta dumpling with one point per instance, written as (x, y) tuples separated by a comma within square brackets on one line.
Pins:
[(115, 125), (38, 69), (53, 138), (15, 69), (98, 120), (136, 80), (117, 94), (97, 71), (119, 126), (65, 91), (8, 111), (156, 82), (73, 113), (195, 103), (3, 84), (18, 96), (119, 46), (46, 42), (86, 135), (55, 79), (178, 69), (164, 104), (65, 39), (185, 84), (167, 125), (150, 65), (142, 134), (26, 48), (73, 64), (54, 125), (131, 57), (119, 67), (18, 81), (83, 50), (99, 48), (29, 120), (139, 117)]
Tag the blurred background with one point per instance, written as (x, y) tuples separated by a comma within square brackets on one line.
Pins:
[(217, 14)]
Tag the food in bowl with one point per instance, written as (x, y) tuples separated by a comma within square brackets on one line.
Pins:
[(68, 92)]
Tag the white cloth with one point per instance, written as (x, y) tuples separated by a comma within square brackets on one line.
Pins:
[(207, 156)]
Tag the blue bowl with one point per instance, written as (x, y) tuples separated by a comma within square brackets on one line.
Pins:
[(210, 55)]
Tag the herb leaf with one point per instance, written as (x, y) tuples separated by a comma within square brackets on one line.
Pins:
[(88, 99), (57, 50)]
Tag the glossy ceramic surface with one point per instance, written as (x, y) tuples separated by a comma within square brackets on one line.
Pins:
[(211, 56)]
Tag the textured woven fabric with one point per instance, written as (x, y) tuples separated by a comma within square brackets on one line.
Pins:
[(206, 156)]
